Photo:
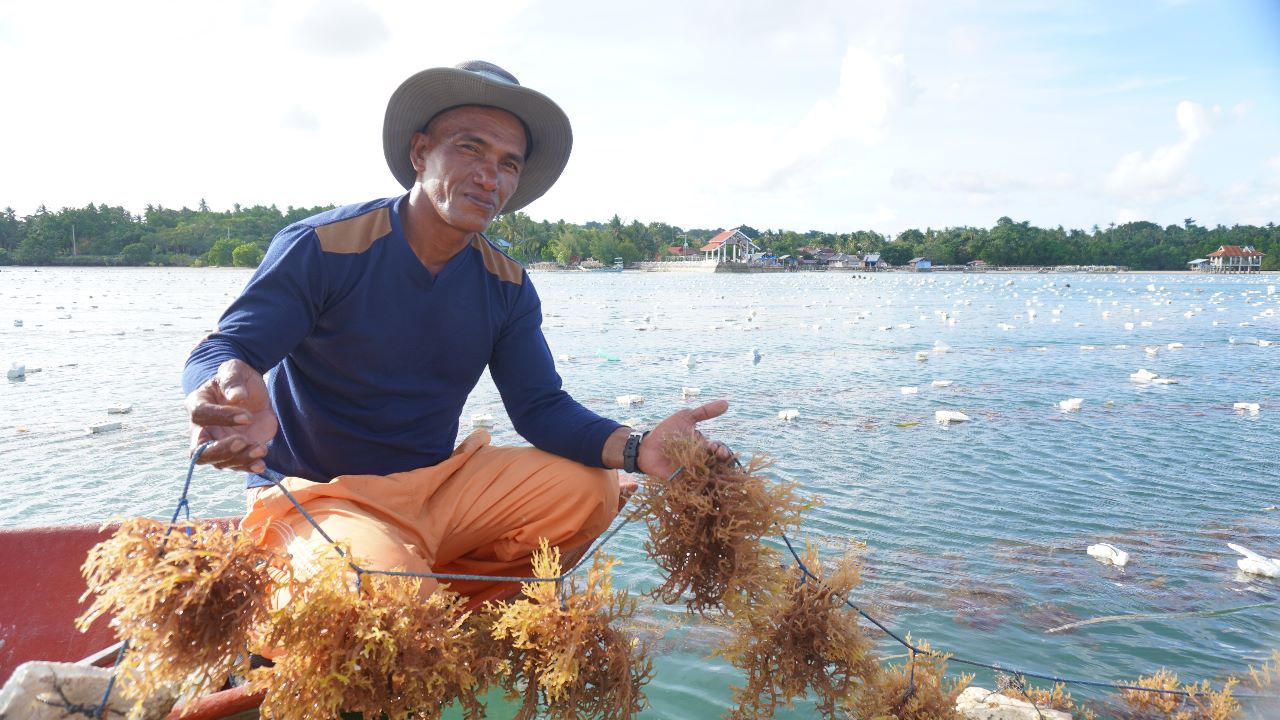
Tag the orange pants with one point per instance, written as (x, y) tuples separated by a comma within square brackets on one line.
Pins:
[(480, 512)]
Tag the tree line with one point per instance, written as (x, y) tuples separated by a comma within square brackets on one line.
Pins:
[(103, 235)]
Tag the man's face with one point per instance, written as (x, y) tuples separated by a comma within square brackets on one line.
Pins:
[(469, 163)]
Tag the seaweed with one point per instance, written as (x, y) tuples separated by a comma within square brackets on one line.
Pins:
[(567, 649), (800, 636), (1267, 675), (1201, 702), (380, 650), (188, 598), (914, 690), (706, 522), (1055, 698)]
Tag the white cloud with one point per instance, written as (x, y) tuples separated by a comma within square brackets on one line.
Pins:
[(341, 28), (986, 183), (1164, 170), (1269, 197), (1273, 165), (970, 39), (871, 92), (1128, 215), (299, 118)]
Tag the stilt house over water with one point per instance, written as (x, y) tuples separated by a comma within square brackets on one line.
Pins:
[(1233, 258)]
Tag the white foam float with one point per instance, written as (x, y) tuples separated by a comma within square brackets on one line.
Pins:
[(630, 400), (1106, 552), (1255, 564), (481, 420), (788, 414), (946, 417), (1070, 404)]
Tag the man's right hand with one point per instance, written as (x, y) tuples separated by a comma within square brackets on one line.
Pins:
[(234, 411)]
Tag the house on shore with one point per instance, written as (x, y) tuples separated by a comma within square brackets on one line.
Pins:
[(1233, 258), (843, 261), (920, 264), (871, 261), (729, 246)]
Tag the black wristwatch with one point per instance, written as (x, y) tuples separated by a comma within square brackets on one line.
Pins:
[(631, 451)]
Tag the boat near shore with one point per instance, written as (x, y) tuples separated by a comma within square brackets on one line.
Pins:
[(592, 265)]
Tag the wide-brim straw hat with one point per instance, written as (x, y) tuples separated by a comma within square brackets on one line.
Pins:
[(432, 91)]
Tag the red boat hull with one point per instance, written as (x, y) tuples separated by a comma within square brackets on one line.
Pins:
[(40, 589)]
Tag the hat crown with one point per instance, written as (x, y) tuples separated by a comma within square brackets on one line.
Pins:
[(489, 70)]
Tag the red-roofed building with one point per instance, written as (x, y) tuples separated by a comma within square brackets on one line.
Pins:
[(1233, 258), (730, 245)]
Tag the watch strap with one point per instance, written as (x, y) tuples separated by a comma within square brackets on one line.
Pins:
[(631, 451)]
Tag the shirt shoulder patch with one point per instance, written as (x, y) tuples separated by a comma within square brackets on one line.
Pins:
[(356, 234), (497, 262)]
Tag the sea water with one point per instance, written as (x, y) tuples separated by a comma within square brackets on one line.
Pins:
[(975, 533)]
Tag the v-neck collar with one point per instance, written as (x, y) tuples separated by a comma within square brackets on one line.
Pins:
[(419, 270)]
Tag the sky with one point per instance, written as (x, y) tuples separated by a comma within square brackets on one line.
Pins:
[(801, 115)]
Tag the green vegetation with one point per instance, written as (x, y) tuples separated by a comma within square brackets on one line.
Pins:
[(102, 235), (161, 236)]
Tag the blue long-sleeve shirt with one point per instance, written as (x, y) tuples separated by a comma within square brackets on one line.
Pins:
[(369, 359)]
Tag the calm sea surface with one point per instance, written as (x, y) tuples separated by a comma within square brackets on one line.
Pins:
[(975, 532)]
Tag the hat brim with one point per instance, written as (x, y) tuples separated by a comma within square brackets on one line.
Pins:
[(429, 92)]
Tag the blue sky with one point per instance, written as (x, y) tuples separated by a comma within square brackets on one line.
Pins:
[(804, 115)]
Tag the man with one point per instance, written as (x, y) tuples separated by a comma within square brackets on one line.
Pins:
[(373, 322)]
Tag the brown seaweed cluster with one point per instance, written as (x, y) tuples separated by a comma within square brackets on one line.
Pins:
[(1200, 703), (1267, 675), (1055, 698), (383, 651), (187, 600), (569, 650), (799, 636), (913, 690), (706, 523)]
